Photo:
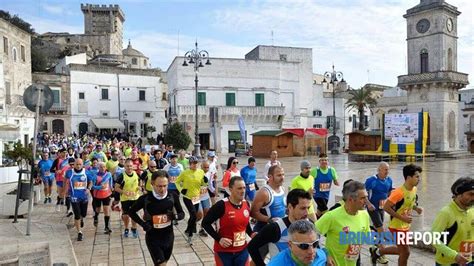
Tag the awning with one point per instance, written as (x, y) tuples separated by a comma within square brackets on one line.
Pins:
[(108, 123), (318, 131), (297, 131)]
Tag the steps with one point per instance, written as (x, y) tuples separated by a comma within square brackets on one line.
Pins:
[(461, 154)]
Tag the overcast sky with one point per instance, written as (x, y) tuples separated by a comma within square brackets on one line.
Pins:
[(365, 39)]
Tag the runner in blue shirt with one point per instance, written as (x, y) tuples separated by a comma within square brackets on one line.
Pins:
[(303, 247), (46, 175), (324, 176), (249, 174)]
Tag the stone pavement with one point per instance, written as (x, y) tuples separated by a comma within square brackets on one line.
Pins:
[(101, 249)]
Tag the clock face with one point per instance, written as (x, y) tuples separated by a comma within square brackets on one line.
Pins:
[(423, 25), (449, 24)]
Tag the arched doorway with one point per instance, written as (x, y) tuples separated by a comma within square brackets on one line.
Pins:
[(451, 129), (58, 126), (83, 128)]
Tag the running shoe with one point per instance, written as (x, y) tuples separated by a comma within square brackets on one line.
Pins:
[(45, 200), (202, 233), (373, 254), (107, 231), (70, 213), (96, 221), (189, 240), (134, 233), (125, 233), (49, 199), (80, 237)]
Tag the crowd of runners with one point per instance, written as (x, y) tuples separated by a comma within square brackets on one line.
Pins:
[(250, 224)]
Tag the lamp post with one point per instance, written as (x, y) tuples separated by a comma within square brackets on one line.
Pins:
[(334, 78), (125, 121), (195, 58)]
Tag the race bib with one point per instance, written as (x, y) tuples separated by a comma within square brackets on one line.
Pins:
[(80, 185), (129, 193), (352, 252), (161, 221), (239, 239), (324, 187), (203, 190), (172, 179), (466, 248), (381, 203), (47, 173), (196, 200), (106, 186), (252, 187)]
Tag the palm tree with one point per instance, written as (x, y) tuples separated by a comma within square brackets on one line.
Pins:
[(361, 99)]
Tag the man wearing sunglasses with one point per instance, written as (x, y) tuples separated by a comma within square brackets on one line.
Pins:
[(145, 177), (299, 202), (303, 247)]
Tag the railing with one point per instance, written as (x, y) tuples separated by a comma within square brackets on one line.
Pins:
[(448, 76), (233, 110), (58, 108), (469, 129), (468, 106)]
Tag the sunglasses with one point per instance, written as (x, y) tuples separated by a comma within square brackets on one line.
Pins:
[(152, 167), (305, 246), (235, 162)]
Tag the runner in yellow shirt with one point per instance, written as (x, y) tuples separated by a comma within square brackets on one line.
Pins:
[(189, 183), (305, 181)]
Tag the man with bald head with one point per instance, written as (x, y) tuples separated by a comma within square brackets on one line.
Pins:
[(378, 187)]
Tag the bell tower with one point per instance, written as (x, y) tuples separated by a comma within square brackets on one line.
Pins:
[(433, 82)]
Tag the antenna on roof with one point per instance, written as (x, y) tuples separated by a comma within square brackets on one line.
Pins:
[(368, 76), (272, 37)]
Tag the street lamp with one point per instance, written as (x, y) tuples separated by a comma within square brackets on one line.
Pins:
[(195, 58), (125, 121), (334, 78)]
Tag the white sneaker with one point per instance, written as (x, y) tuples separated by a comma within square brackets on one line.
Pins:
[(58, 208)]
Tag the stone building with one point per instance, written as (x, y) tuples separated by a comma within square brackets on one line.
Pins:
[(271, 88), (103, 34), (15, 77), (133, 58), (433, 81), (466, 119)]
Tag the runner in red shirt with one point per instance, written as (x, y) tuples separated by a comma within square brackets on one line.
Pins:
[(232, 215)]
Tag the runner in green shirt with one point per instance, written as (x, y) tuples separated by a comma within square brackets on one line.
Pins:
[(182, 159), (457, 218), (351, 217), (305, 181)]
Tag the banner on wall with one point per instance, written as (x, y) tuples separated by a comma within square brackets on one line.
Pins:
[(401, 128)]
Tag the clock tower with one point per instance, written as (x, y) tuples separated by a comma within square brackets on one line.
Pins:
[(433, 82)]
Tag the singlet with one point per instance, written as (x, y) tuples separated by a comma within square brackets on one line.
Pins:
[(459, 224), (322, 182), (77, 185), (62, 165), (103, 179), (233, 225), (129, 187), (305, 184), (276, 207), (173, 173), (45, 168)]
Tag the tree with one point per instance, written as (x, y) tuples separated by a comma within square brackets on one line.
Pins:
[(177, 136), (19, 153), (360, 100)]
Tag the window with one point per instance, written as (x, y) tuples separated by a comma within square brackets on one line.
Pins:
[(147, 115), (82, 96), (22, 53), (424, 61), (105, 94), (14, 54), (104, 113), (230, 99), (144, 62), (201, 98), (259, 99), (56, 97), (45, 126), (366, 121), (141, 95), (354, 121), (282, 57), (317, 113), (317, 126), (5, 45), (134, 61)]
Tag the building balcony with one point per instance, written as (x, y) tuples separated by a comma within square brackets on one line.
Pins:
[(468, 106), (57, 109), (230, 114), (459, 79), (469, 129)]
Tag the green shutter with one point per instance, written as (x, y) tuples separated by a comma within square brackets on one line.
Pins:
[(56, 99), (230, 99), (259, 99), (201, 98)]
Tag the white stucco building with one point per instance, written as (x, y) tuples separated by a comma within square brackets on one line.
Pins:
[(107, 98), (466, 119), (271, 88)]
